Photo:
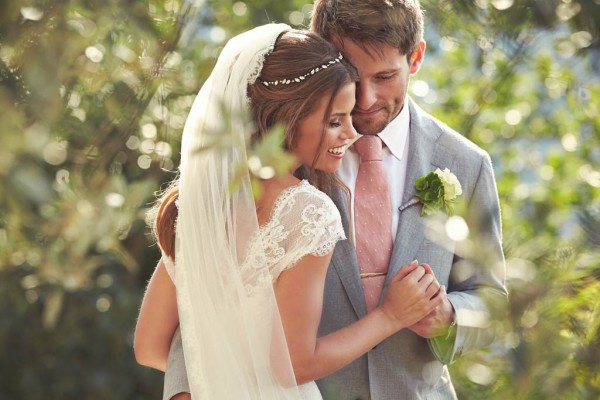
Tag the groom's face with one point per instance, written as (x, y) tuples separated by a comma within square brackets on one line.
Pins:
[(384, 74)]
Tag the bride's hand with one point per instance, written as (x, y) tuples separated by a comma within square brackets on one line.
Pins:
[(411, 295)]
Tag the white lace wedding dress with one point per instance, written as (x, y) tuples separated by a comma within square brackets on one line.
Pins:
[(303, 221)]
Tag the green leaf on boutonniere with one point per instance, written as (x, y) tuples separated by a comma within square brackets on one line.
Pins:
[(437, 191)]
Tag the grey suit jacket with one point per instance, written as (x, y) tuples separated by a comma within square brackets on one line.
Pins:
[(407, 366), (404, 365)]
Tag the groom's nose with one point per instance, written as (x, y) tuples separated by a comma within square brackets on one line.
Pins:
[(366, 95)]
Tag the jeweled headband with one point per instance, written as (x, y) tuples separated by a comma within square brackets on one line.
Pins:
[(286, 81)]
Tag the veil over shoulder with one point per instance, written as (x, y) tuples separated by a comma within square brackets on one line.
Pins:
[(232, 335)]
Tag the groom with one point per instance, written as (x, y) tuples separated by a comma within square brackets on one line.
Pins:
[(384, 41)]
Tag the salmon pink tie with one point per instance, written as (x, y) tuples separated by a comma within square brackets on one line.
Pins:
[(372, 219)]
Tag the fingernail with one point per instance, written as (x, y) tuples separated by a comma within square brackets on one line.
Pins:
[(415, 262)]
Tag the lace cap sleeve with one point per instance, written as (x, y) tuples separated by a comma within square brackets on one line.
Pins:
[(309, 223)]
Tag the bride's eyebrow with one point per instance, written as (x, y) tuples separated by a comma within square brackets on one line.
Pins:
[(339, 114)]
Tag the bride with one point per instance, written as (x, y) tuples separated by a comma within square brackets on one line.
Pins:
[(248, 275)]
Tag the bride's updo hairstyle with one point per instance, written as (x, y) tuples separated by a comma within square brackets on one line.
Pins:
[(291, 84)]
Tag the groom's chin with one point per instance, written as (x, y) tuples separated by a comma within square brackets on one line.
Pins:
[(369, 126)]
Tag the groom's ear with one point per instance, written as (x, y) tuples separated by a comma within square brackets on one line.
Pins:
[(416, 58)]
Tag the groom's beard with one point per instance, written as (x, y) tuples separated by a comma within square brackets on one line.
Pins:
[(376, 118)]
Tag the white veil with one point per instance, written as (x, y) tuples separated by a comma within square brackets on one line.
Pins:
[(233, 340)]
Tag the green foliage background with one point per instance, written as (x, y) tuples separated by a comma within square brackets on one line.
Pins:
[(93, 98)]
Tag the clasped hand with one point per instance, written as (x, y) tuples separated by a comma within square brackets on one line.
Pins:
[(415, 300)]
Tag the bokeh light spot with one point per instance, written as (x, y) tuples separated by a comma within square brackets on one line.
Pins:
[(513, 117), (502, 4), (296, 18), (420, 88), (511, 340), (133, 142), (147, 146), (104, 281), (103, 303), (62, 176), (80, 114), (529, 319), (592, 177), (32, 13), (480, 374), (124, 53), (254, 164), (521, 269), (144, 161), (266, 172), (217, 34), (569, 142), (472, 318), (240, 8), (456, 228), (163, 149), (149, 131), (521, 191), (582, 39), (114, 200), (94, 54), (448, 44), (567, 10), (85, 208), (55, 153)]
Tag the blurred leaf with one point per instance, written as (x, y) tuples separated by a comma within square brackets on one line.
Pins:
[(94, 97)]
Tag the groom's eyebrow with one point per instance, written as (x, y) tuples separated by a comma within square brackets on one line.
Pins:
[(388, 71)]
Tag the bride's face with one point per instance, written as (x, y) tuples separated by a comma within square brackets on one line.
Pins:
[(338, 132)]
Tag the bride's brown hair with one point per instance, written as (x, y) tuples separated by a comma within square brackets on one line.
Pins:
[(296, 53)]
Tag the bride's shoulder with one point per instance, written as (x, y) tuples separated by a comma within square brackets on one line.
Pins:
[(304, 193), (293, 198), (273, 193)]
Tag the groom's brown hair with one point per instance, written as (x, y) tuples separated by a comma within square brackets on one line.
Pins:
[(398, 23)]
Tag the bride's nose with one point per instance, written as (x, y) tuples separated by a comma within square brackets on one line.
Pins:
[(349, 132)]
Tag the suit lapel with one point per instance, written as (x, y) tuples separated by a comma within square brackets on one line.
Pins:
[(423, 158), (344, 259), (425, 154)]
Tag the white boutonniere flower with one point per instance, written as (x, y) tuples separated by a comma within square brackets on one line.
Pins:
[(437, 191)]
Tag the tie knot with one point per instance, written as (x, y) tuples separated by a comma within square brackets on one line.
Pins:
[(369, 148)]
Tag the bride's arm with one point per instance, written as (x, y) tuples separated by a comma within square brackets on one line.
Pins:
[(157, 321), (299, 290)]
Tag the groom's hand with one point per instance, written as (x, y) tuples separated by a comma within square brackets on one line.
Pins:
[(438, 321)]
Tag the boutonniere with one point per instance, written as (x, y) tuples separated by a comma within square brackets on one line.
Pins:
[(437, 191)]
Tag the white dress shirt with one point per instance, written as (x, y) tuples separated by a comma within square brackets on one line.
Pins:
[(395, 155)]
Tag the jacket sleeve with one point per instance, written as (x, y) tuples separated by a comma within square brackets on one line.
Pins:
[(175, 376), (477, 278)]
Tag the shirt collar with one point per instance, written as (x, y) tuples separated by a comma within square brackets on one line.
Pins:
[(395, 134)]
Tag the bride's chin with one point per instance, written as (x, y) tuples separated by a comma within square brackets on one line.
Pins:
[(329, 167)]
